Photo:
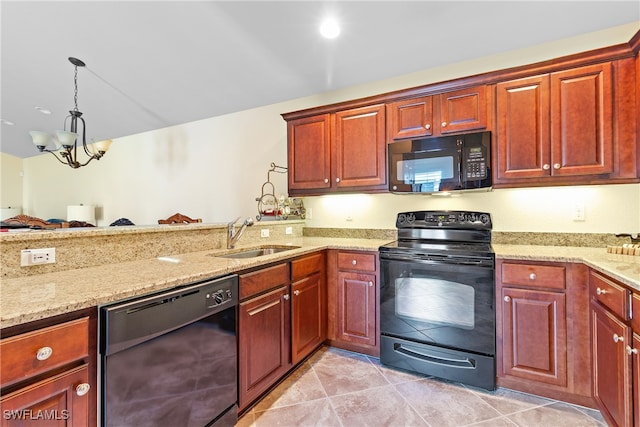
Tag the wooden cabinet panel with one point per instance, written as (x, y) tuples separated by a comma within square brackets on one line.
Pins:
[(582, 120), (635, 320), (32, 353), (262, 280), (308, 316), (360, 149), (264, 343), (52, 401), (463, 110), (309, 152), (611, 366), (306, 266), (635, 355), (534, 334), (357, 298), (534, 275), (410, 118), (357, 261), (610, 294), (523, 128)]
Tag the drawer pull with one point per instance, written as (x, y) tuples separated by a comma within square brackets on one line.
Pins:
[(533, 276), (631, 351), (296, 292), (370, 284), (354, 262), (82, 389), (507, 298), (44, 353), (617, 338), (286, 297), (601, 291), (427, 126)]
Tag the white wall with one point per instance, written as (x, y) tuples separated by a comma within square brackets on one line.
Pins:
[(214, 169), (10, 181)]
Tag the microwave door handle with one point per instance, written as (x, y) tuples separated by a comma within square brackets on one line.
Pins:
[(460, 162)]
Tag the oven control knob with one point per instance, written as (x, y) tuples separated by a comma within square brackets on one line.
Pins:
[(218, 297), (402, 218), (484, 218)]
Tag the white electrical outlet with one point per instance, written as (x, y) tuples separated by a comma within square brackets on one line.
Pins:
[(30, 257), (578, 212), (288, 230), (264, 232)]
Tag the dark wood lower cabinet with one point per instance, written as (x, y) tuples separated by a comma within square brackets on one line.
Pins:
[(264, 343), (534, 332), (635, 355), (308, 316), (611, 366)]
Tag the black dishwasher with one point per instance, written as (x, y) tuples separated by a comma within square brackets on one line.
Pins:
[(170, 359)]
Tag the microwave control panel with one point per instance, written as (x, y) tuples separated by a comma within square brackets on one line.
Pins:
[(475, 163)]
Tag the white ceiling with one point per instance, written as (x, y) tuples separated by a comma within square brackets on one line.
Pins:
[(152, 64)]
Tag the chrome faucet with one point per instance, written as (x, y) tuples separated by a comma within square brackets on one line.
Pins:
[(232, 235)]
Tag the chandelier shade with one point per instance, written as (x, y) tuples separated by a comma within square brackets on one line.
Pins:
[(65, 142)]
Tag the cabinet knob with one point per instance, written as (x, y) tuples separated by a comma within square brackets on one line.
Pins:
[(337, 179), (354, 262), (631, 351), (507, 298), (326, 180), (286, 297), (82, 389), (444, 124), (546, 166), (556, 165), (533, 276), (44, 353), (427, 126), (296, 292), (617, 338), (370, 284), (601, 291)]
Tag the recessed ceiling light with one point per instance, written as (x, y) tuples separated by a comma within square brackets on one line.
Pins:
[(329, 28), (7, 122), (43, 110)]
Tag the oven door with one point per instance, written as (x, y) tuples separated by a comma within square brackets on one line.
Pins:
[(443, 301)]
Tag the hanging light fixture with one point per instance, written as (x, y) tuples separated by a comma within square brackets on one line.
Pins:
[(66, 142)]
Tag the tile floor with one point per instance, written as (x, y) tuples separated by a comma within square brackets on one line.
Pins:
[(344, 389)]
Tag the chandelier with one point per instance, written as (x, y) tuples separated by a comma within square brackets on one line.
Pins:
[(66, 141)]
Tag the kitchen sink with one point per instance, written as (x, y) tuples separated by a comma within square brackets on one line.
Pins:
[(256, 252)]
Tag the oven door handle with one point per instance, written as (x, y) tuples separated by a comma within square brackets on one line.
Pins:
[(463, 362)]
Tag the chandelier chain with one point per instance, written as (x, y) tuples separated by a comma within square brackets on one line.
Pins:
[(75, 93)]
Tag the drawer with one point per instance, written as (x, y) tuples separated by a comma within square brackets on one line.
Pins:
[(635, 310), (534, 275), (33, 353), (263, 280), (357, 261), (304, 267), (609, 294)]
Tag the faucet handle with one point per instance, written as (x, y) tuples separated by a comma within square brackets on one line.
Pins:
[(230, 223)]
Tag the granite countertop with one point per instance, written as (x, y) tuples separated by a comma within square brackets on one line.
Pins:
[(40, 296)]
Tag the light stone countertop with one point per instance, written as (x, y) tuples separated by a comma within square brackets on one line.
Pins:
[(40, 296)]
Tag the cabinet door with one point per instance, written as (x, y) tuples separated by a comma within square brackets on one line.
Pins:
[(463, 110), (635, 354), (309, 154), (54, 401), (410, 118), (309, 320), (523, 148), (582, 121), (360, 148), (264, 343), (611, 366), (356, 308), (534, 334)]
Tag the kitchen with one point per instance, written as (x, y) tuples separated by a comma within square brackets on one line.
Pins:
[(548, 210)]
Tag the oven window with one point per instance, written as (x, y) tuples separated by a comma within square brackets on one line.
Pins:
[(437, 301)]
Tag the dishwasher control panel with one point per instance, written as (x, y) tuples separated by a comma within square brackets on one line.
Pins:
[(219, 297)]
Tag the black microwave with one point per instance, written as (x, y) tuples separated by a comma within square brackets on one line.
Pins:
[(447, 163)]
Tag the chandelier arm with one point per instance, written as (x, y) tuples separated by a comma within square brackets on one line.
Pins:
[(58, 158)]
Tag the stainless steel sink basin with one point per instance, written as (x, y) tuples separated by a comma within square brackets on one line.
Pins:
[(256, 252)]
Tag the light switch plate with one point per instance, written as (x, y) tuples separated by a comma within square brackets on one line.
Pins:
[(264, 232)]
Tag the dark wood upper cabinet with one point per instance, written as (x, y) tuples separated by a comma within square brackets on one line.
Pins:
[(309, 152), (452, 112)]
